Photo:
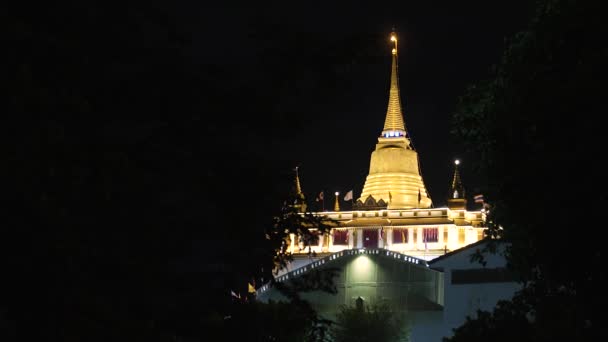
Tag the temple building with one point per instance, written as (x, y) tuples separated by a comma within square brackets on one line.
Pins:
[(386, 245)]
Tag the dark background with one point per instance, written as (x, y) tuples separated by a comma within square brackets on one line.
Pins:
[(326, 67)]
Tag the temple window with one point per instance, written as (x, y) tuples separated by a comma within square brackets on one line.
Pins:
[(340, 237), (399, 235)]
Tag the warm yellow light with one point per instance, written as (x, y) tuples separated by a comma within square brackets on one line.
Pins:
[(457, 162), (394, 51), (337, 193), (393, 38)]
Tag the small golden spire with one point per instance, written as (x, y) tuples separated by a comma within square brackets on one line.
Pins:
[(337, 204), (457, 190), (456, 198), (300, 201), (298, 187)]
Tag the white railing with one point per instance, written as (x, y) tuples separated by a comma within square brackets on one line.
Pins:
[(338, 255)]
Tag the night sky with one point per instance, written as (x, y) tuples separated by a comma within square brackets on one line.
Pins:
[(331, 66), (168, 112)]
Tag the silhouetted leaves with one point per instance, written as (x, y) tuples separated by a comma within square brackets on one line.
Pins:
[(370, 323), (535, 131)]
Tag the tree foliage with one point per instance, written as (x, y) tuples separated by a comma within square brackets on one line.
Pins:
[(377, 322), (307, 227), (535, 131), (274, 321), (305, 323)]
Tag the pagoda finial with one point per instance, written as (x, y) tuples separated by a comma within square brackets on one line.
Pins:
[(394, 127), (394, 40)]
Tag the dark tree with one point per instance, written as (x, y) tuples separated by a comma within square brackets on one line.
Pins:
[(142, 174), (364, 323), (537, 132)]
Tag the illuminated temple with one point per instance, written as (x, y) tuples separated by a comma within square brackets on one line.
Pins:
[(395, 246), (394, 211)]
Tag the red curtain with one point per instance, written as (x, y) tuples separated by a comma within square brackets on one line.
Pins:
[(370, 238), (430, 234), (399, 235), (340, 237)]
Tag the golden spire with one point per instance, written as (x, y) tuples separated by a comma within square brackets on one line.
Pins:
[(394, 125), (337, 204)]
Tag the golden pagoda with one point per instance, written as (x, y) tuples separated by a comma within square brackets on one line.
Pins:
[(394, 176)]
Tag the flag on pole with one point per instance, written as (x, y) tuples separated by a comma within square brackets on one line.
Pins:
[(320, 197), (250, 288), (402, 236), (233, 294), (348, 196), (479, 198)]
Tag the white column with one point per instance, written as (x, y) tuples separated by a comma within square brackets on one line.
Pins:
[(452, 237), (470, 235), (410, 238), (351, 241), (321, 237), (359, 238)]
